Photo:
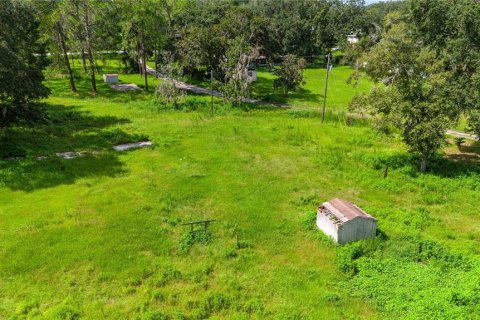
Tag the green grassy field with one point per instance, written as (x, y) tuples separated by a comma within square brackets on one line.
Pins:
[(310, 95), (339, 94), (101, 236), (57, 80)]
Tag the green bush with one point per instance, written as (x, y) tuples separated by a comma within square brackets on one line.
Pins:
[(347, 256), (154, 315), (190, 238), (65, 311), (309, 221), (25, 307)]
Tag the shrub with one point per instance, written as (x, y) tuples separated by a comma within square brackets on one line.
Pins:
[(25, 307), (168, 94), (253, 306), (154, 315), (331, 297), (290, 75), (459, 141), (347, 255), (190, 238), (65, 311), (168, 275), (230, 253), (309, 221)]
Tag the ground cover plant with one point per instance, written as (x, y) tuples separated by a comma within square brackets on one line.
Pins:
[(101, 236), (104, 234), (340, 89)]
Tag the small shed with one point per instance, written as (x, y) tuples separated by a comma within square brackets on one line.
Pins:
[(345, 222), (110, 78)]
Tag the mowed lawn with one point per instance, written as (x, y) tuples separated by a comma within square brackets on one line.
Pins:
[(342, 87), (339, 93), (101, 236)]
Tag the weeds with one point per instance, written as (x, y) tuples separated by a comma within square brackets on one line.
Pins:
[(192, 237)]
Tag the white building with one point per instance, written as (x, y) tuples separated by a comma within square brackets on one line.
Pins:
[(110, 78), (345, 222)]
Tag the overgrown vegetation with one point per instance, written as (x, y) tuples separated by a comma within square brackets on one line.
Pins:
[(425, 72), (290, 74), (119, 250), (22, 60), (108, 226)]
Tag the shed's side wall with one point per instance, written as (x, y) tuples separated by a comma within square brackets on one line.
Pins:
[(357, 229), (327, 226)]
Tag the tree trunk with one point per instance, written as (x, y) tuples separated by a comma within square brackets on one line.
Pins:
[(92, 69), (139, 59), (144, 61), (84, 60), (423, 163), (91, 61), (61, 39), (156, 56), (169, 16)]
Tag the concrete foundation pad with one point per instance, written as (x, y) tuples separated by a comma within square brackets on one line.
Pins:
[(134, 145), (125, 87), (68, 155)]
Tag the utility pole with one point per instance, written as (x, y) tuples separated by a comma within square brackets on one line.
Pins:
[(326, 86), (211, 83), (211, 90)]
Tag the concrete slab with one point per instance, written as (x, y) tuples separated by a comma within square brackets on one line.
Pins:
[(125, 87), (133, 145)]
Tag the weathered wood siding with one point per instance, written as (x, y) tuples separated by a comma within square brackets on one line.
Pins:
[(327, 226), (356, 229)]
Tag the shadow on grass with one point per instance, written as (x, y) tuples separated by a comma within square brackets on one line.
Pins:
[(31, 174), (263, 90), (466, 153), (60, 88), (67, 129), (59, 84), (445, 167)]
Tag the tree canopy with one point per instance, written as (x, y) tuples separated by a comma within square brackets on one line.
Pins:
[(427, 63), (22, 60)]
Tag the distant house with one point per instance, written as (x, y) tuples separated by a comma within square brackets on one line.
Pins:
[(352, 38), (345, 222), (110, 78)]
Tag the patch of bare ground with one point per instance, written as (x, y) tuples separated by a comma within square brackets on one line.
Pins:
[(468, 151)]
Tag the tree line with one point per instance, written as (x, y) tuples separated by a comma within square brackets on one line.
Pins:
[(427, 62), (422, 53), (221, 37)]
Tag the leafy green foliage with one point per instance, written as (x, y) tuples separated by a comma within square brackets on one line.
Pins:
[(190, 238), (22, 60), (414, 98), (434, 283), (459, 141), (237, 85), (290, 74), (347, 256), (106, 226)]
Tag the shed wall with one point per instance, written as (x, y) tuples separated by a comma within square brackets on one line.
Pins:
[(357, 229), (327, 225)]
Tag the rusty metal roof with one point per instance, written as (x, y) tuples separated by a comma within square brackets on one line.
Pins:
[(344, 210)]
